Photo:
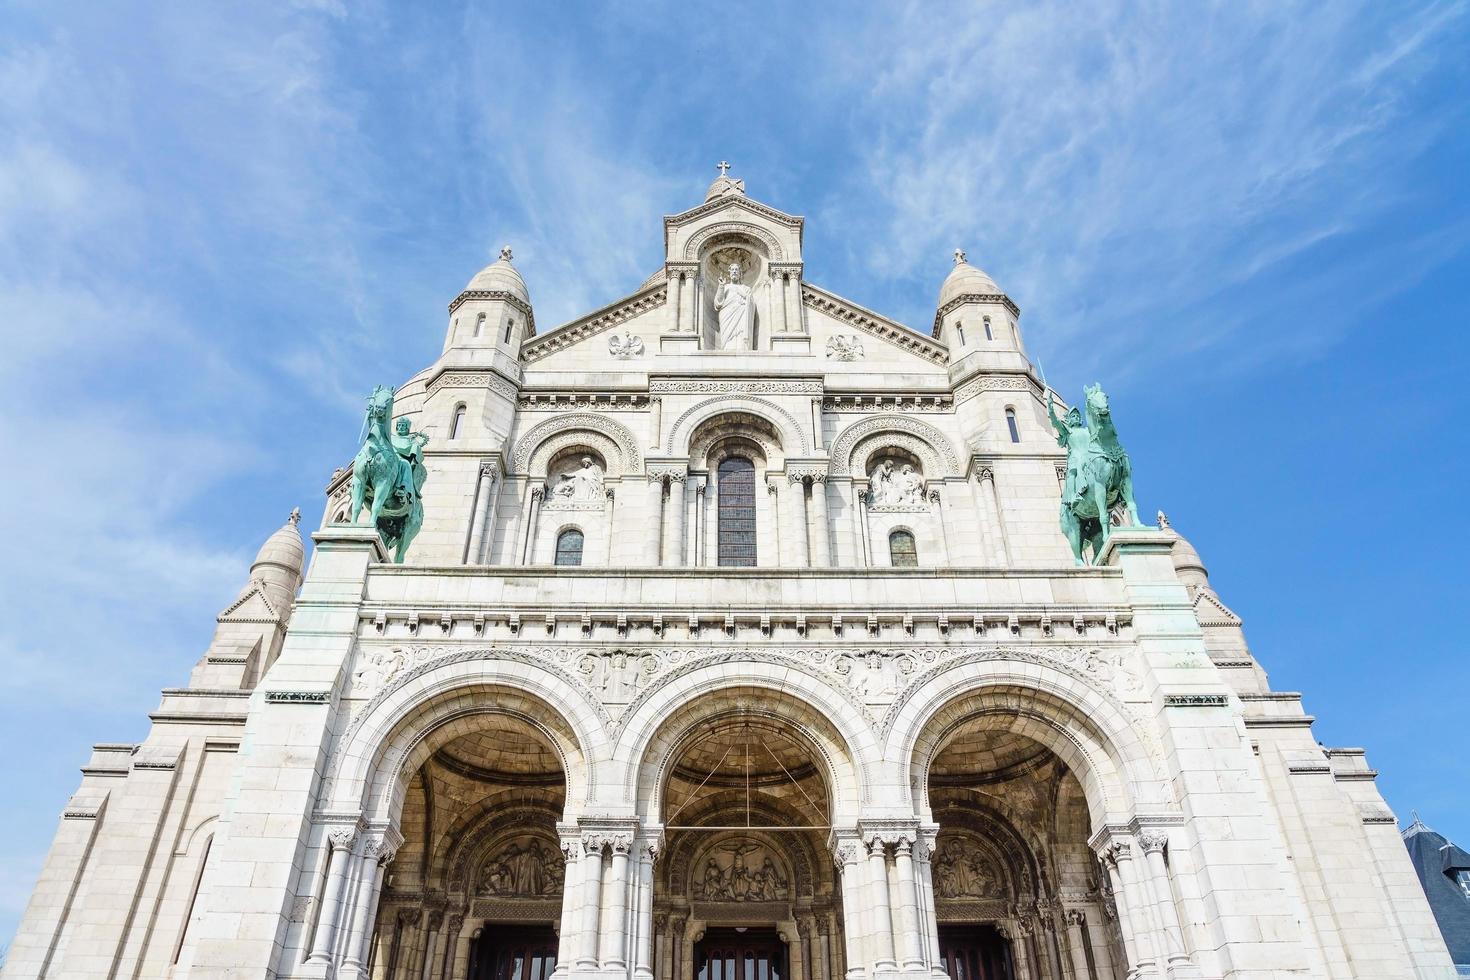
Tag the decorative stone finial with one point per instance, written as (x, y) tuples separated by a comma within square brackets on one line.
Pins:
[(1163, 521), (724, 168), (295, 517), (505, 255), (959, 256)]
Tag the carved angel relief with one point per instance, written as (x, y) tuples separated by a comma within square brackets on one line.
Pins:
[(844, 347)]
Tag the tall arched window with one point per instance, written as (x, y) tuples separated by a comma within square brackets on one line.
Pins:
[(1011, 424), (479, 324), (902, 552), (457, 426), (988, 334), (737, 512), (959, 328), (569, 547), (510, 325)]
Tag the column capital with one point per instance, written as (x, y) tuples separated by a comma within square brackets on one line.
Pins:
[(847, 851), (342, 838), (1152, 841)]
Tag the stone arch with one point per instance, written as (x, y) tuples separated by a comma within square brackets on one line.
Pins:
[(404, 726), (809, 864), (732, 229), (618, 438), (656, 730), (790, 431), (1087, 730), (603, 450), (473, 836), (734, 426), (873, 433)]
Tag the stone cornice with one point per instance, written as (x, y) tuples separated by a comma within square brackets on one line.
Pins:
[(964, 298), (502, 296), (872, 323), (604, 318), (672, 221)]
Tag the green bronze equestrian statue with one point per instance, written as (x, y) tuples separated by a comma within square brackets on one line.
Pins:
[(388, 475), (1099, 476)]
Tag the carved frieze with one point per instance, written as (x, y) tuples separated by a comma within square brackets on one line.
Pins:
[(525, 867)]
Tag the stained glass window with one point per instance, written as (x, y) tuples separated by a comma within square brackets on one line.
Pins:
[(902, 551), (737, 512), (569, 547)]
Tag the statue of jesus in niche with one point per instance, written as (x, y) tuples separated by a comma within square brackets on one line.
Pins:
[(736, 310)]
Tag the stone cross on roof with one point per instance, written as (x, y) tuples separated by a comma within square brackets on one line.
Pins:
[(959, 256), (724, 168)]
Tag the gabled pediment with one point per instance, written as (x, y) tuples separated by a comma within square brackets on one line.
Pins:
[(253, 606), (688, 235), (1210, 611)]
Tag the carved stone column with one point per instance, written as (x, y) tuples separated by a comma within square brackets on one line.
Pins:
[(591, 901), (571, 894), (643, 923), (793, 521), (613, 940), (432, 932), (482, 522), (1170, 931), (674, 284), (860, 515), (846, 855), (655, 516), (881, 932), (340, 842), (994, 530), (533, 515), (453, 926), (910, 933), (673, 545), (697, 550), (375, 853), (928, 912), (1077, 942), (1132, 910), (821, 530), (778, 300)]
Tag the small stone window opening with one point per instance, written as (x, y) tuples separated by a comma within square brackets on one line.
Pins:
[(509, 326), (456, 428), (959, 328), (902, 551), (1011, 424), (479, 324), (569, 547), (988, 334)]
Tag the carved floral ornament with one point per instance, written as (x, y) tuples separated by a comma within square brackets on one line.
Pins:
[(924, 440)]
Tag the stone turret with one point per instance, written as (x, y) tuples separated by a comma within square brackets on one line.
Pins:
[(491, 318), (249, 630), (978, 322)]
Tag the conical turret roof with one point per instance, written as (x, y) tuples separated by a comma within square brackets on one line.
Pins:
[(501, 275), (965, 279)]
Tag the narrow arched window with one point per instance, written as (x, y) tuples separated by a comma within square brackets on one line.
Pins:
[(479, 324), (902, 552), (736, 477), (193, 898), (569, 547), (1011, 424), (509, 326), (988, 334), (959, 328), (456, 428)]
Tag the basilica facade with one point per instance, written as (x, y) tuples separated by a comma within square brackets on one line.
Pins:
[(739, 640)]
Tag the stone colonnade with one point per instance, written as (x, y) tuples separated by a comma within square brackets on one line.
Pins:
[(888, 924)]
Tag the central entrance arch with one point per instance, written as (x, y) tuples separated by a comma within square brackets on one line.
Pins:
[(744, 785)]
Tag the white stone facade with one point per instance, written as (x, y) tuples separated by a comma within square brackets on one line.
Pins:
[(909, 734)]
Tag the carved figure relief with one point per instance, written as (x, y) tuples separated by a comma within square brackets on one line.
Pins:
[(581, 485), (526, 867), (875, 676), (897, 485), (962, 870), (740, 870), (844, 347), (616, 675), (624, 346)]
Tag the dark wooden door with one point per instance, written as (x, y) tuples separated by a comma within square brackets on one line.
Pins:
[(975, 953), (513, 953), (730, 954)]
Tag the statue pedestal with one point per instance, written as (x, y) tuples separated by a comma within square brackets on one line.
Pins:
[(791, 343), (678, 343), (351, 537), (1137, 541)]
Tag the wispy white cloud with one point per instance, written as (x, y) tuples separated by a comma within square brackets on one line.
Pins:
[(1083, 154)]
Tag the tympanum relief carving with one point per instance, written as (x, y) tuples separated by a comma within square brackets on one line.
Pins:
[(740, 870), (524, 868)]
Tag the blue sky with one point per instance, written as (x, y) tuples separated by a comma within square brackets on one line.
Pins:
[(219, 228)]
